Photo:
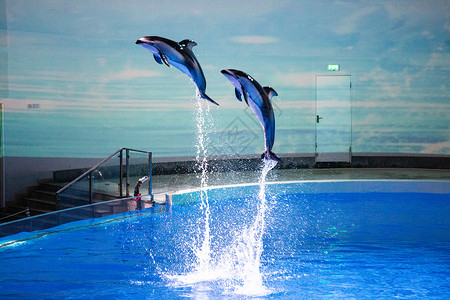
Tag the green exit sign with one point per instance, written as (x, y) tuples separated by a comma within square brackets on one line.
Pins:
[(333, 68)]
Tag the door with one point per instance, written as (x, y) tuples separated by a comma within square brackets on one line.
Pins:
[(333, 118)]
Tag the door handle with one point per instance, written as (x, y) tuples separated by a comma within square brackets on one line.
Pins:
[(318, 118)]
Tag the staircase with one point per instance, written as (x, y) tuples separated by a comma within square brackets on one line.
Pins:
[(103, 182), (42, 199), (39, 199)]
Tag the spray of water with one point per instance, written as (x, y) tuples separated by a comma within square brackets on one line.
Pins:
[(237, 266), (203, 248), (249, 246), (236, 269)]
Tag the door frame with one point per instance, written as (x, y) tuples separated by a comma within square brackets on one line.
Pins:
[(333, 157)]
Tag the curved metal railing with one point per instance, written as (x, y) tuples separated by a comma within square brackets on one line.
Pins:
[(98, 183)]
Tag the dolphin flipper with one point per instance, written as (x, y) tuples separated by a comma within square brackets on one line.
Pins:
[(244, 92), (157, 59), (164, 58), (238, 94)]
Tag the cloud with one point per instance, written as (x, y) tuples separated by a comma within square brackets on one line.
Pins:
[(129, 73), (254, 39), (295, 79), (447, 26), (425, 106), (443, 148), (68, 86), (351, 22)]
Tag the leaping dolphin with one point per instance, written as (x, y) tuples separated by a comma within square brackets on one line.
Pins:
[(179, 55), (258, 98)]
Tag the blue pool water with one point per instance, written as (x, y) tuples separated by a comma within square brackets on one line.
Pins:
[(357, 245)]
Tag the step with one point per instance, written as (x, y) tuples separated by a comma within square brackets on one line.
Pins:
[(16, 206), (40, 211), (38, 203), (51, 186), (42, 194)]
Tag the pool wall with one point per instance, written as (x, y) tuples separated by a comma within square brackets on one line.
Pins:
[(229, 191), (69, 215), (23, 172), (316, 186)]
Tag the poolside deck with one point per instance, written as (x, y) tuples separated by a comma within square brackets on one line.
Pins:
[(164, 184)]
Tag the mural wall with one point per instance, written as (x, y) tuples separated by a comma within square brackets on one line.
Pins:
[(75, 84)]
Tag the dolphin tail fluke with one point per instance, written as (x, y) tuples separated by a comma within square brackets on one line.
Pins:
[(204, 96), (269, 155)]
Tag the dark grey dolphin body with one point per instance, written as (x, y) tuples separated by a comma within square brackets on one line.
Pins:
[(258, 98), (180, 56)]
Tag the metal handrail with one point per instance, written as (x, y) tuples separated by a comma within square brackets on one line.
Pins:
[(26, 211), (88, 173)]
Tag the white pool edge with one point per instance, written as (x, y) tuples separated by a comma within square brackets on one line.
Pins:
[(319, 186)]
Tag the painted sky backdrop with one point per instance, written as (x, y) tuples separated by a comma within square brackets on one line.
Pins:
[(74, 84)]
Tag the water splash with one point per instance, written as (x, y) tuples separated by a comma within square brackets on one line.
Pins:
[(249, 246), (235, 267), (203, 248)]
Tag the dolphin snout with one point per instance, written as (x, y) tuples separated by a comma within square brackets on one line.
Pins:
[(140, 41), (145, 40), (234, 73), (226, 72)]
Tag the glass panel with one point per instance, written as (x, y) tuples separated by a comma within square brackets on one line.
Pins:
[(76, 195), (97, 210), (106, 180), (333, 118), (114, 178), (94, 194), (138, 168)]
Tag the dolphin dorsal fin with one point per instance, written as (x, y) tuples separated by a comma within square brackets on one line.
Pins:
[(188, 44), (270, 91)]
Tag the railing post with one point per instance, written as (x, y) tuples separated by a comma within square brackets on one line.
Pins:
[(58, 201), (90, 188), (150, 167), (120, 173), (127, 170)]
